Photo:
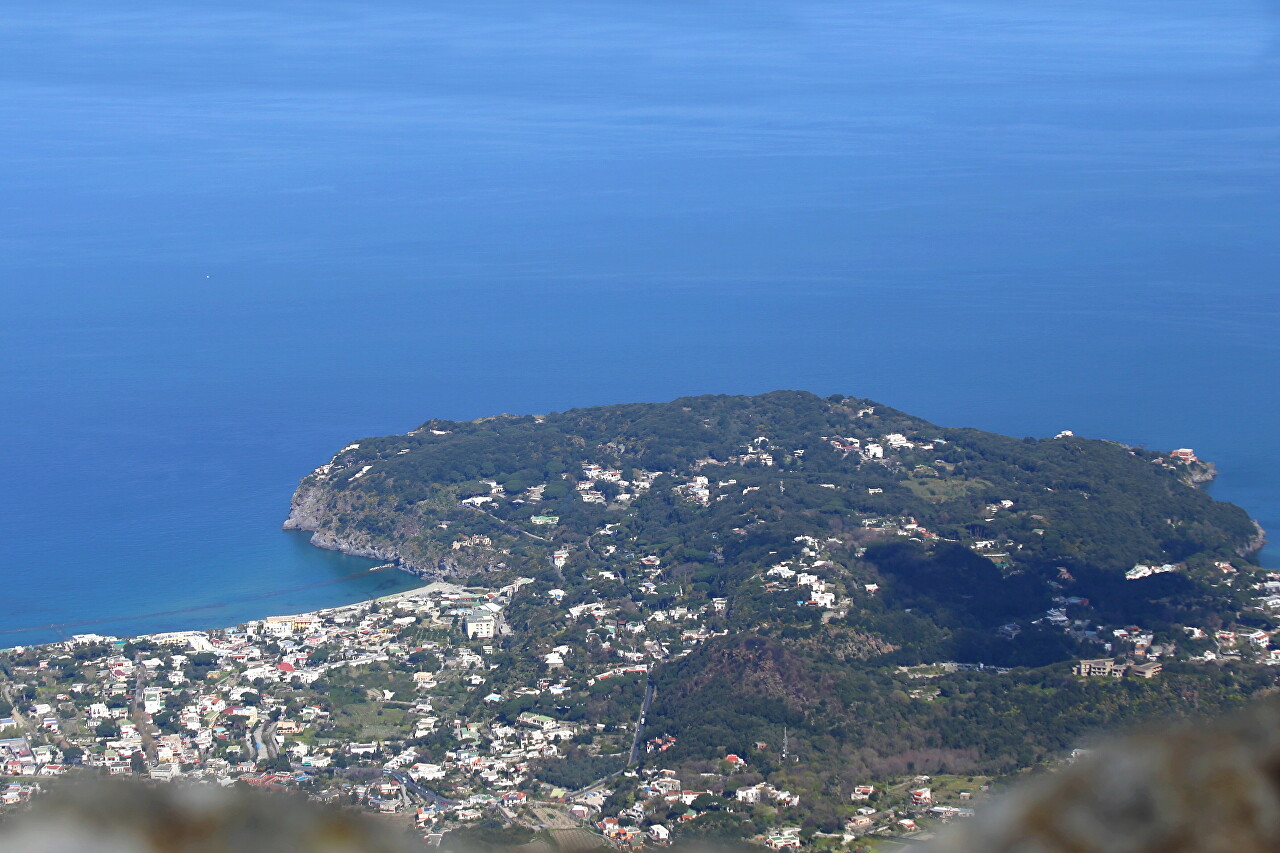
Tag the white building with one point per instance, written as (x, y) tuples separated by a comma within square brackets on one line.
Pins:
[(479, 626)]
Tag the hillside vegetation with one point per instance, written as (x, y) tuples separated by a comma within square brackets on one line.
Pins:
[(1094, 503), (814, 566)]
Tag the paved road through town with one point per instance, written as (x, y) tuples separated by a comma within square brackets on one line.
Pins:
[(638, 740)]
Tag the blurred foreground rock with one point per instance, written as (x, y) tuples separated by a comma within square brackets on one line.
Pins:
[(1203, 787), (122, 817)]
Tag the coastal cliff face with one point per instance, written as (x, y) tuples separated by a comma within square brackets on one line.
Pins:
[(1255, 543), (1201, 474), (324, 511), (313, 509), (308, 509)]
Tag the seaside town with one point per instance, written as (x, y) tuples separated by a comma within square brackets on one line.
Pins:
[(418, 708), (358, 706)]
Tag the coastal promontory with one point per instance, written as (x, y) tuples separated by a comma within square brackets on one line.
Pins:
[(698, 477), (790, 576)]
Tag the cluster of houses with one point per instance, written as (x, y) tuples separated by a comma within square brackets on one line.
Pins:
[(18, 758), (1139, 655), (1104, 667), (1143, 570), (659, 790), (815, 579), (219, 705), (869, 450), (908, 808)]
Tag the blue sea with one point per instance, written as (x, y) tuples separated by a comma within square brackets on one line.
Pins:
[(235, 236)]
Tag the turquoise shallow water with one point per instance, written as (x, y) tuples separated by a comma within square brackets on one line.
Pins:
[(234, 239)]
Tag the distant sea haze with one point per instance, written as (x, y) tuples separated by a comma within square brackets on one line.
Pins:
[(236, 238)]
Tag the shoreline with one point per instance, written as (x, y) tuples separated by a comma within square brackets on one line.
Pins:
[(1204, 474), (434, 586), (65, 628)]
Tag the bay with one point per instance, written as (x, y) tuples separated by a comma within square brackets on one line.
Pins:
[(235, 238)]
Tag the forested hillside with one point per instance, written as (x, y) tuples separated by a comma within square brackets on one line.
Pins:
[(825, 567), (831, 464)]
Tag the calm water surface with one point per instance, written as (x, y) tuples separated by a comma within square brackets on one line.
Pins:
[(234, 237)]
